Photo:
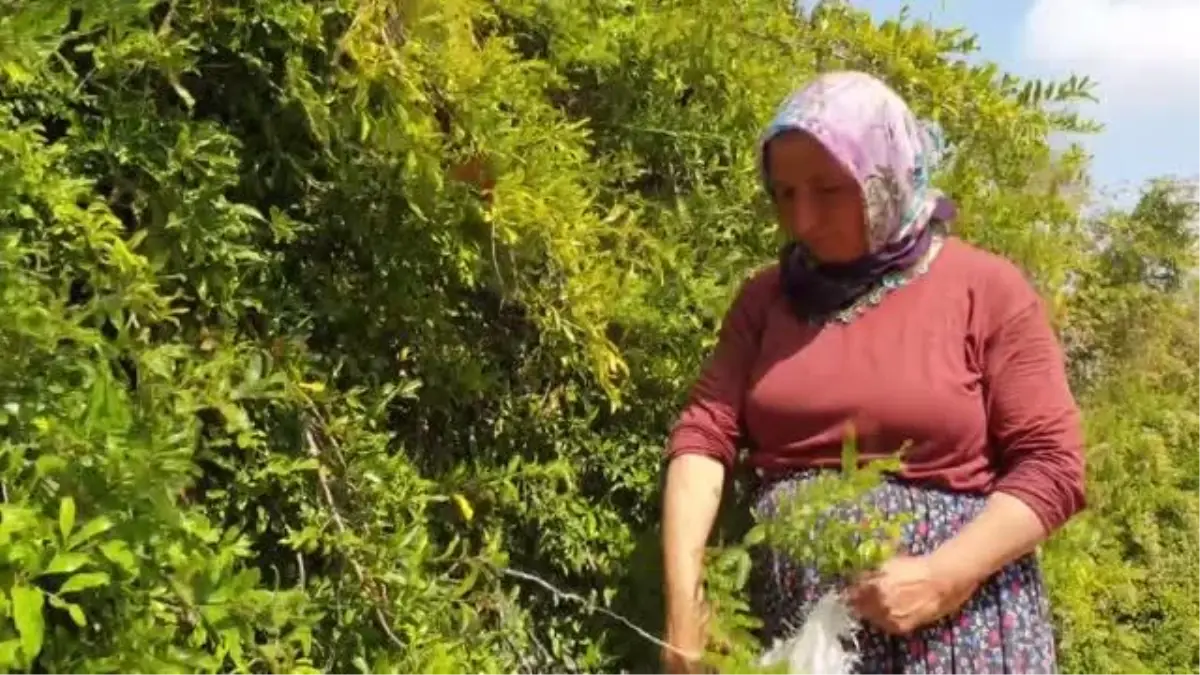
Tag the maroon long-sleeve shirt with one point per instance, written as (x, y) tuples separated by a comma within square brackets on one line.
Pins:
[(962, 362)]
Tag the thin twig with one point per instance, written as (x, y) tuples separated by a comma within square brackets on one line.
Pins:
[(496, 266), (591, 606), (166, 22), (547, 655), (314, 450)]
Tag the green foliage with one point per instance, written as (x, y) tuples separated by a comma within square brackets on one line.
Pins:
[(803, 531), (1125, 573), (321, 315), (802, 526)]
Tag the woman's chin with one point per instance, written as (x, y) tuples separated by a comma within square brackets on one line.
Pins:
[(834, 255)]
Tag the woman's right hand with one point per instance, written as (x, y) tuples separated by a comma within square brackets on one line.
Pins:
[(679, 664), (690, 500), (687, 636)]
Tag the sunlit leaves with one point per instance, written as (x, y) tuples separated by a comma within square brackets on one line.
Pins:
[(26, 606), (316, 312)]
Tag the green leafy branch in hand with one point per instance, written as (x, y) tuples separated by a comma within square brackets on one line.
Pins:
[(807, 525)]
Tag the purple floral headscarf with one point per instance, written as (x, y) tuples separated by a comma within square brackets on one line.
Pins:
[(870, 130)]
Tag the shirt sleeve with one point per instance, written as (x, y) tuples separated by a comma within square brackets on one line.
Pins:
[(710, 423), (1034, 424)]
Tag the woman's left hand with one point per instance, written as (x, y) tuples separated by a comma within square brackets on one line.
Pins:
[(908, 593)]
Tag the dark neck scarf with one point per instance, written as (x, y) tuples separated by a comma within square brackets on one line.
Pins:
[(817, 290)]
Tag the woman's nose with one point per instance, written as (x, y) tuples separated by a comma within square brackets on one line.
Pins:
[(802, 215)]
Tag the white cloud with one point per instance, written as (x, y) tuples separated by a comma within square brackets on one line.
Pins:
[(1143, 53)]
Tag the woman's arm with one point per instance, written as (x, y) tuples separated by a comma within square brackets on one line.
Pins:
[(1036, 430), (910, 592), (1005, 530), (690, 501), (703, 445)]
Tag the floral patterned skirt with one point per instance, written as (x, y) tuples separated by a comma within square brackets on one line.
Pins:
[(1004, 628)]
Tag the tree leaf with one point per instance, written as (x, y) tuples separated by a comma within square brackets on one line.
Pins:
[(756, 535), (84, 581), (64, 562), (117, 551), (71, 608), (90, 529), (77, 615), (9, 657), (27, 615), (467, 583), (66, 516)]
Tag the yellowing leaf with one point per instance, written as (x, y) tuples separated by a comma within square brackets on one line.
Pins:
[(464, 507)]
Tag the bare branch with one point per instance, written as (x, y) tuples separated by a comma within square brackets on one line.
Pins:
[(593, 607)]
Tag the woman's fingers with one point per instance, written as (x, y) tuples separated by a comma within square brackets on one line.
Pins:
[(865, 600), (870, 603)]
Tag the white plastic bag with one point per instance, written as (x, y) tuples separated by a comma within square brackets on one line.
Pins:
[(817, 648)]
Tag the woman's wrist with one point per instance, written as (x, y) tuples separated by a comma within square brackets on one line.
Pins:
[(685, 633), (955, 569), (684, 609)]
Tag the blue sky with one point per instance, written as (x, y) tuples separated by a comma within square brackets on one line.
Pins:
[(1145, 55)]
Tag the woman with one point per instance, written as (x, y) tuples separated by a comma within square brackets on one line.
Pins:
[(876, 317)]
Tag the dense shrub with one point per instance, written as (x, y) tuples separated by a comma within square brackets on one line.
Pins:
[(321, 317)]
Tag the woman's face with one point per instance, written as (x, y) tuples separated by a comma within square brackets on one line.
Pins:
[(818, 202)]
